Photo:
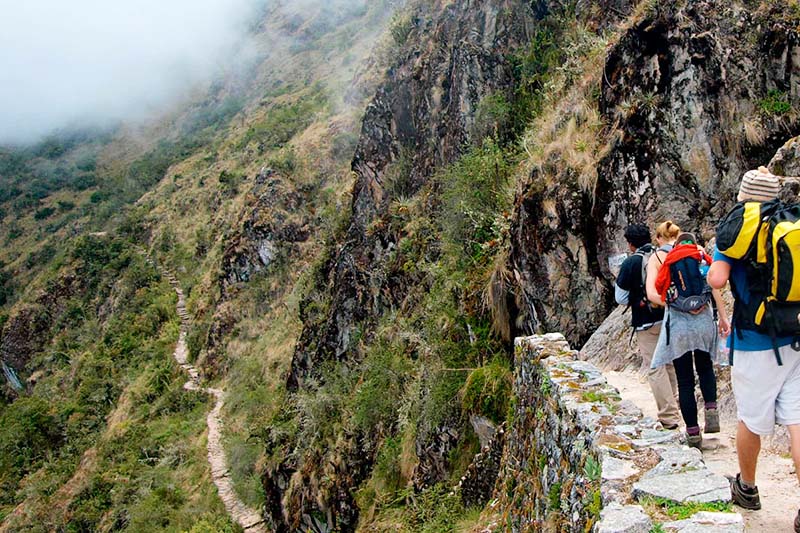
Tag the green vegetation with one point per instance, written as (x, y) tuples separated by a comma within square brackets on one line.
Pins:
[(554, 497), (682, 511), (488, 390), (592, 468), (107, 437), (285, 120), (776, 103), (108, 409), (400, 27), (111, 440), (476, 199)]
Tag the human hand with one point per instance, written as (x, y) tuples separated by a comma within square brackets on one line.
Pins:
[(724, 327)]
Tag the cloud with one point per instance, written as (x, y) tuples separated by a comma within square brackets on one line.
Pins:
[(94, 62)]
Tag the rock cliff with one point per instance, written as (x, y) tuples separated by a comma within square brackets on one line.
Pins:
[(692, 95), (421, 119)]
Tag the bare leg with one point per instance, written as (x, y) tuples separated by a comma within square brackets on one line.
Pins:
[(748, 446), (794, 434)]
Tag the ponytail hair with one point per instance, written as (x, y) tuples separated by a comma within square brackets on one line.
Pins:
[(668, 230)]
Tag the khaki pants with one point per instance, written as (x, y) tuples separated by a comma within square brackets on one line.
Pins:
[(662, 380)]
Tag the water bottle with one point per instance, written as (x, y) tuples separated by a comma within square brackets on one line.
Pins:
[(723, 353), (704, 266)]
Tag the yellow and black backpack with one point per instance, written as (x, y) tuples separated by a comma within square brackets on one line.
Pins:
[(766, 236)]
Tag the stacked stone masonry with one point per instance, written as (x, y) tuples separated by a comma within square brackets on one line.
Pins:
[(578, 458)]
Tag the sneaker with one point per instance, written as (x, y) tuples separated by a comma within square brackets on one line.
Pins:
[(797, 523), (745, 498), (694, 441), (712, 421), (669, 426)]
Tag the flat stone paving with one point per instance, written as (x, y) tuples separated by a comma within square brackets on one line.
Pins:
[(639, 459)]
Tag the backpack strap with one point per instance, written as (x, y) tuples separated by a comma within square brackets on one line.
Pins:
[(773, 333)]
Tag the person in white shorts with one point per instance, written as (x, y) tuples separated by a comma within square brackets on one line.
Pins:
[(766, 392)]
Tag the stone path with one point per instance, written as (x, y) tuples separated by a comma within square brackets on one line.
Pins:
[(777, 484), (250, 519)]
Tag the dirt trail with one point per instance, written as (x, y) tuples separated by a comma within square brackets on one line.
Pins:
[(250, 519), (777, 483)]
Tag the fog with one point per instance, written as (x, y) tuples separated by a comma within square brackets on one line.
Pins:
[(81, 63)]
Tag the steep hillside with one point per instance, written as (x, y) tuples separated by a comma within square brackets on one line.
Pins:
[(361, 224), (98, 432)]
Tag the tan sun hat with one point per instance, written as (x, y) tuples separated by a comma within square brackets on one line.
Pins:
[(759, 185)]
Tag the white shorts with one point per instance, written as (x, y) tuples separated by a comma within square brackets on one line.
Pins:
[(765, 392)]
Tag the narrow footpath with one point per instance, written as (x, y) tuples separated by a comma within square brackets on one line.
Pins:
[(250, 519), (777, 484)]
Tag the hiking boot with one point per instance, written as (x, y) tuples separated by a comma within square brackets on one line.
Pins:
[(797, 523), (746, 498), (712, 421), (694, 441)]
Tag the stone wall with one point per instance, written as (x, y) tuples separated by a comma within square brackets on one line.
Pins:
[(578, 458)]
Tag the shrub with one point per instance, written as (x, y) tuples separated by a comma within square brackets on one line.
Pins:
[(383, 375), (83, 182), (776, 103), (211, 524), (28, 430), (230, 181), (196, 338), (284, 161), (397, 177), (476, 193), (40, 256), (283, 121), (436, 510), (400, 27), (492, 118), (487, 391), (87, 163), (43, 213), (6, 287), (14, 231)]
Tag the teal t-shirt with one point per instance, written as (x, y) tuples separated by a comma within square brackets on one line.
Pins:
[(750, 341)]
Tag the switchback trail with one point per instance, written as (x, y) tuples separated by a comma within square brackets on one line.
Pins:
[(776, 480), (250, 519)]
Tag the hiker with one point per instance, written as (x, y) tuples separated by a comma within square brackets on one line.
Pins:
[(646, 322), (765, 371), (689, 334)]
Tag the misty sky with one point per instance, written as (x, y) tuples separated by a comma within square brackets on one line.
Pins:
[(88, 62)]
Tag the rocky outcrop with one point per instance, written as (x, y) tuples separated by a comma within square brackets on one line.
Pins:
[(271, 226), (266, 231), (787, 163), (692, 103), (612, 346), (422, 114), (27, 329), (578, 458), (421, 118)]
